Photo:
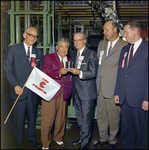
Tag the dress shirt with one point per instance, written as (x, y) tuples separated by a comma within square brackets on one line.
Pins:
[(64, 59), (81, 73), (135, 47), (26, 49), (113, 43)]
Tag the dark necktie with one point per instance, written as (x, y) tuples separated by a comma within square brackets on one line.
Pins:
[(110, 48), (28, 53), (130, 54), (62, 63), (77, 59)]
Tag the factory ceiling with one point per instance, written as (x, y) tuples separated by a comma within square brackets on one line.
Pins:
[(90, 13)]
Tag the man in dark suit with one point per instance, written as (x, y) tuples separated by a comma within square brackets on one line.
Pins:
[(84, 87), (108, 114), (131, 90), (19, 62), (54, 112)]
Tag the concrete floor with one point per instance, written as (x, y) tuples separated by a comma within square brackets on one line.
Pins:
[(71, 134)]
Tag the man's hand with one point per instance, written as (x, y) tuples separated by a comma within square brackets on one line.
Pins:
[(75, 71), (116, 99), (63, 71), (145, 105), (18, 90)]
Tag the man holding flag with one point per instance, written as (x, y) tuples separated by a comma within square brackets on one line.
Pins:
[(19, 62), (56, 109)]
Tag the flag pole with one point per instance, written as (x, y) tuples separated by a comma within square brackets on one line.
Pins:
[(19, 96)]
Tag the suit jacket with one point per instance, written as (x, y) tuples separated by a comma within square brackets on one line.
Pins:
[(85, 87), (132, 81), (107, 70), (17, 67), (51, 66)]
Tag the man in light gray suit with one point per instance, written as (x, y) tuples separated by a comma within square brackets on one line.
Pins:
[(84, 87), (108, 114)]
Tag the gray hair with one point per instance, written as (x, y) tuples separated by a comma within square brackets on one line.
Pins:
[(84, 35), (27, 29), (134, 24), (63, 40)]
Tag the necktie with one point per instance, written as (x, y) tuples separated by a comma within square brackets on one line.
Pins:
[(110, 48), (77, 59), (62, 63), (130, 54), (28, 53)]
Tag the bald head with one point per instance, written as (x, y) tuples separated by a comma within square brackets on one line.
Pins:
[(111, 30)]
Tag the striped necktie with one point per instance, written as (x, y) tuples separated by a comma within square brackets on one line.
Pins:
[(28, 53), (77, 59), (131, 53), (110, 48)]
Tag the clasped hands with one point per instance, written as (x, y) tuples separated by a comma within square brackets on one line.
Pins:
[(63, 71)]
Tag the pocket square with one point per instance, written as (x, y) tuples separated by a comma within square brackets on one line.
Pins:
[(83, 63)]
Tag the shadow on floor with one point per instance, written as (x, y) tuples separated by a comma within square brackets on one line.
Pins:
[(72, 134)]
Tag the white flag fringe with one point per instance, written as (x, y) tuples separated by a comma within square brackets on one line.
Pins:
[(42, 84)]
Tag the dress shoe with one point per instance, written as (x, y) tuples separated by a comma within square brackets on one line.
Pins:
[(99, 144), (61, 143), (113, 146), (77, 142), (19, 146), (34, 143), (45, 147)]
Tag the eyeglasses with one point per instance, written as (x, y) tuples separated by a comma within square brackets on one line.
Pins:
[(78, 40), (32, 36)]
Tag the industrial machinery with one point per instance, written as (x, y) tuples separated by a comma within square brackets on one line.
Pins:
[(106, 11)]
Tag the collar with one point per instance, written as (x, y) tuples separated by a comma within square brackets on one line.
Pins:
[(81, 51), (64, 58), (113, 43), (26, 48)]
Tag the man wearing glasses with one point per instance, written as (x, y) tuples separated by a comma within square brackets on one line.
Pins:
[(19, 62), (84, 87)]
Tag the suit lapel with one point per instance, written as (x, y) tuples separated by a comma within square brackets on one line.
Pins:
[(127, 51), (115, 47), (24, 56), (137, 53), (33, 50), (83, 53), (56, 57), (105, 51)]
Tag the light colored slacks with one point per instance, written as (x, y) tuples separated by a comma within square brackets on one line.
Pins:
[(53, 112), (108, 119)]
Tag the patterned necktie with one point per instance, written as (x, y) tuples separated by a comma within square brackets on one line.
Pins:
[(130, 54), (110, 48), (28, 53), (62, 63), (77, 59)]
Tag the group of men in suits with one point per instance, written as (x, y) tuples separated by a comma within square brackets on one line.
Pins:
[(121, 89)]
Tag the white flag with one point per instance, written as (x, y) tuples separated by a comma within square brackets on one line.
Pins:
[(42, 84)]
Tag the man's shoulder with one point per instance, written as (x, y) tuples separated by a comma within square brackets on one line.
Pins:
[(16, 45), (51, 55)]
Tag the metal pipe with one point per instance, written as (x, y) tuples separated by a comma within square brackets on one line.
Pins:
[(12, 37), (53, 23), (49, 24), (45, 27), (18, 28), (114, 5)]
